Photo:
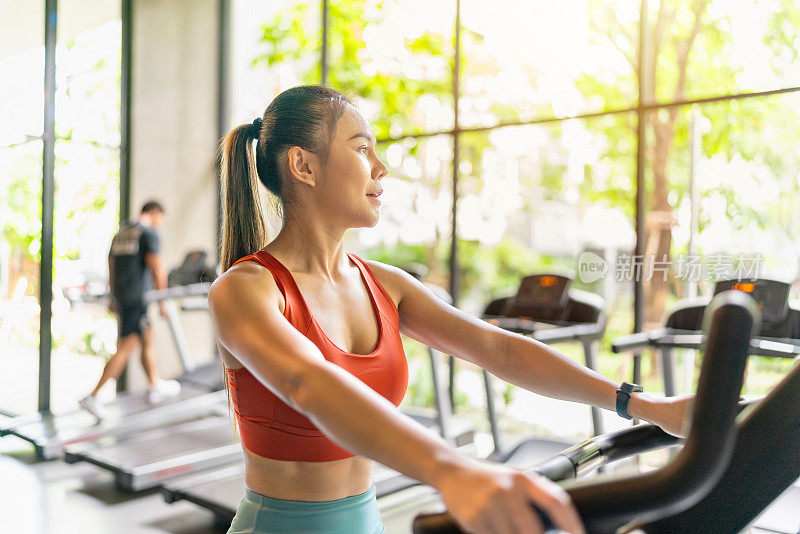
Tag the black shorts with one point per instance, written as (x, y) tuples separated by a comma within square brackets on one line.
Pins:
[(133, 320)]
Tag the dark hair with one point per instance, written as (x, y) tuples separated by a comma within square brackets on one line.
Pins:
[(302, 116), (152, 205)]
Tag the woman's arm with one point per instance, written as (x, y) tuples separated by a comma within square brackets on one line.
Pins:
[(515, 358), (483, 498), (248, 322)]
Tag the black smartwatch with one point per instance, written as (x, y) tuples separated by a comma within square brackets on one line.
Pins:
[(624, 395)]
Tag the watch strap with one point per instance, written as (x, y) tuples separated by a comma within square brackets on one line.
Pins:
[(624, 395)]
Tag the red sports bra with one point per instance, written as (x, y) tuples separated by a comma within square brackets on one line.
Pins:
[(268, 426)]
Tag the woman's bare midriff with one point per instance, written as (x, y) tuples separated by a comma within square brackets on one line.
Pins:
[(307, 481)]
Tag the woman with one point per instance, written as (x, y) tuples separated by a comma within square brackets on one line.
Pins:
[(310, 339)]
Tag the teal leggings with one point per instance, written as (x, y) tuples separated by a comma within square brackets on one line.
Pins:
[(357, 514)]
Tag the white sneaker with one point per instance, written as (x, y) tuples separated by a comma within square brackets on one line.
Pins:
[(163, 390), (90, 404)]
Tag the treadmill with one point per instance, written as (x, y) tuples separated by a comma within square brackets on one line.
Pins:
[(131, 411), (148, 458), (729, 469), (548, 310), (778, 337), (157, 457)]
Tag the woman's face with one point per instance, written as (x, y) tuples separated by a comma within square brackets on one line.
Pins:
[(352, 172)]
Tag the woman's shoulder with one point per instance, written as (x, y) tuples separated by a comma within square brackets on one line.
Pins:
[(242, 272), (244, 282), (240, 301)]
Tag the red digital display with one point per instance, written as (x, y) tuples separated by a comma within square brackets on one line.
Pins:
[(747, 287), (547, 281)]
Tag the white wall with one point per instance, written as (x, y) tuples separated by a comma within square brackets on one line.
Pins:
[(173, 146)]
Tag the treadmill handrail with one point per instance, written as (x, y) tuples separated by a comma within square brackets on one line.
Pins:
[(547, 331), (605, 504), (175, 292), (693, 339), (533, 323), (569, 333), (636, 341)]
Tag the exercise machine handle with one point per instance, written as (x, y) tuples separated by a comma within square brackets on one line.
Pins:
[(636, 341), (606, 503)]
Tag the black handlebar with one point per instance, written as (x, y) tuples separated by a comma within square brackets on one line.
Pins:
[(604, 503), (639, 340), (604, 449)]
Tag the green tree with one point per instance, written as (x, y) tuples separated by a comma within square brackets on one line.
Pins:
[(287, 38), (688, 55), (380, 81)]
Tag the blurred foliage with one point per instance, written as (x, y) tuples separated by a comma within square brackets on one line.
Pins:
[(86, 187), (693, 59), (690, 56), (493, 271), (287, 38), (21, 198)]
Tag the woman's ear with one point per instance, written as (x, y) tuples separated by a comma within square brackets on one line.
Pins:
[(303, 166)]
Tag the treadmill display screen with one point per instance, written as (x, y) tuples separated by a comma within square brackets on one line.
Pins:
[(542, 291), (771, 296)]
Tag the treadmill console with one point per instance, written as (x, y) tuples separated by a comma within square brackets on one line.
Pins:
[(771, 296), (195, 269), (779, 317), (540, 297)]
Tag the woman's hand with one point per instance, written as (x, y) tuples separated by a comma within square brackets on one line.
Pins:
[(671, 414), (487, 498)]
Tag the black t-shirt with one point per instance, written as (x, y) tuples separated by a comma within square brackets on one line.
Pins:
[(131, 276)]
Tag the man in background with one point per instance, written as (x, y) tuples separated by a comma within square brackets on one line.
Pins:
[(135, 267)]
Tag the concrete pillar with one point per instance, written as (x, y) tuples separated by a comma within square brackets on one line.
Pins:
[(173, 147)]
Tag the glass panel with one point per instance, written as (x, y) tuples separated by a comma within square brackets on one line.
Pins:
[(717, 47), (396, 63), (547, 59), (274, 46), (21, 99), (544, 194), (746, 183), (549, 198), (413, 231), (88, 69), (414, 224), (21, 219)]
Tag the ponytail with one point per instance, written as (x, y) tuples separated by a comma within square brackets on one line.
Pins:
[(244, 230)]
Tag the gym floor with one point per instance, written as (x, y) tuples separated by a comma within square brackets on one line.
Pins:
[(59, 498)]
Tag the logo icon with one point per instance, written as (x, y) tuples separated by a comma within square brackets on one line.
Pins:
[(591, 267)]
